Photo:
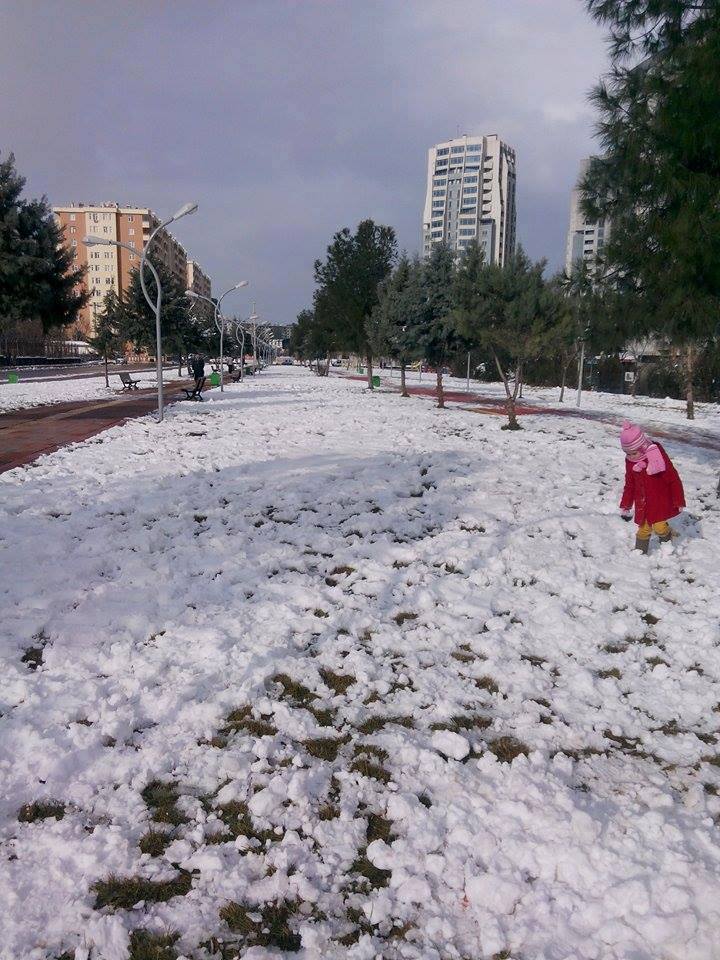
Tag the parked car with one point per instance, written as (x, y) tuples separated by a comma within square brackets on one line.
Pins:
[(336, 362), (287, 361), (119, 360)]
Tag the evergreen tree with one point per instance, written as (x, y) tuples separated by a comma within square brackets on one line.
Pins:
[(348, 282), (658, 179), (106, 338), (395, 325), (180, 332), (38, 277), (438, 335), (508, 309)]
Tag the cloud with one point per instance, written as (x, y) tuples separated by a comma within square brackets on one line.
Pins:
[(289, 120)]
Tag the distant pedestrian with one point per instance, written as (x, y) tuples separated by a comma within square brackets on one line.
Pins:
[(652, 486), (198, 370)]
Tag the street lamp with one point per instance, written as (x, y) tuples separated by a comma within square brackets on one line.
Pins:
[(219, 319), (92, 240)]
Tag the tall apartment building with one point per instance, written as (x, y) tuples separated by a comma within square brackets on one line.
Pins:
[(471, 196), (586, 238), (197, 280), (111, 267)]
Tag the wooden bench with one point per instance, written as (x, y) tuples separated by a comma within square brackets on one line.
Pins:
[(127, 381)]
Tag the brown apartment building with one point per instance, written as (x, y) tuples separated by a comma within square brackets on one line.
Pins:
[(110, 267)]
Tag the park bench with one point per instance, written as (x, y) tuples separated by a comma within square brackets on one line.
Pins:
[(127, 381), (194, 392), (249, 371)]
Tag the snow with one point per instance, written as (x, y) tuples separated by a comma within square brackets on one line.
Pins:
[(35, 393), (532, 714)]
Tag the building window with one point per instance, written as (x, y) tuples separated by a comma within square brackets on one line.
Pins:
[(132, 257), (73, 243), (466, 233), (72, 230), (106, 229), (131, 218), (438, 193), (438, 182), (72, 216), (474, 147), (443, 152), (457, 150)]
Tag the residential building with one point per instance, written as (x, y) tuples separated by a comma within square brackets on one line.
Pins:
[(197, 280), (471, 196), (586, 238), (111, 267)]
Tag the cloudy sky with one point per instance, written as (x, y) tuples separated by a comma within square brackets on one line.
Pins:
[(289, 119)]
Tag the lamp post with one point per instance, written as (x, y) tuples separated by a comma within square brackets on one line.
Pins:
[(92, 240), (240, 339), (219, 319)]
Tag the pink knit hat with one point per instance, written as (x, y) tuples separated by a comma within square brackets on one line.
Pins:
[(633, 441)]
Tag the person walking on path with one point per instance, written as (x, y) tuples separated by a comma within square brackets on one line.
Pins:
[(652, 485)]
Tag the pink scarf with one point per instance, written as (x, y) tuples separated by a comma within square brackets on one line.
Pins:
[(650, 459)]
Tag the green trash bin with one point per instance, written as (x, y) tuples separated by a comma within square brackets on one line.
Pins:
[(12, 378), (376, 381), (215, 379)]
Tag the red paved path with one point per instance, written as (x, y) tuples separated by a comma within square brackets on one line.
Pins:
[(493, 405), (29, 433)]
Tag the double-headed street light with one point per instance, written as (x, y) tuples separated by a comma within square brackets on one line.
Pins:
[(92, 240), (219, 319)]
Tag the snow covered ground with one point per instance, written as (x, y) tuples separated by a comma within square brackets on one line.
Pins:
[(339, 675), (18, 396)]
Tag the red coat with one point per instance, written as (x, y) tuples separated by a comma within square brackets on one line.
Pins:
[(657, 497)]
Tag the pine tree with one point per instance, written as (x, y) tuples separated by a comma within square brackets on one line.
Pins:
[(509, 310), (38, 277), (348, 282), (395, 326), (106, 338), (658, 179), (438, 334), (180, 333)]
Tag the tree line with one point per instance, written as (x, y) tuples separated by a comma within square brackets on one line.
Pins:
[(656, 181)]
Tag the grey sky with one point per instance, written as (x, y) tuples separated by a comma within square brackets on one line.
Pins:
[(289, 120)]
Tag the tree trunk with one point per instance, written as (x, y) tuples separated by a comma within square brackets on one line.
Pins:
[(521, 384), (689, 380), (403, 387), (439, 388), (512, 423), (107, 379), (562, 382), (368, 357)]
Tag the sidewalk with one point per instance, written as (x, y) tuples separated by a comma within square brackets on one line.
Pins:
[(33, 431)]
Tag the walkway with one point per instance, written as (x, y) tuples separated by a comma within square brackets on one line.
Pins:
[(29, 433), (494, 405)]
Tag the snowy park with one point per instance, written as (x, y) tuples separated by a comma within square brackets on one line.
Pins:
[(308, 670)]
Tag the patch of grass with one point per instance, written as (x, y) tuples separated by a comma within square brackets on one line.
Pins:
[(506, 749), (403, 616), (324, 716), (487, 683), (154, 842), (162, 796), (463, 722), (239, 823), (532, 660), (650, 619), (41, 810), (152, 946), (615, 647), (258, 728), (613, 672), (367, 768), (264, 926), (376, 877), (425, 800), (462, 656), (317, 612), (338, 682), (328, 811), (342, 571), (122, 893), (294, 690), (371, 750), (378, 828), (325, 748), (33, 657), (602, 585)]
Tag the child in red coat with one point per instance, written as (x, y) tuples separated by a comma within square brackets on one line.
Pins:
[(652, 484)]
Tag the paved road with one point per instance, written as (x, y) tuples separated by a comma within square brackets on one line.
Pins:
[(75, 371)]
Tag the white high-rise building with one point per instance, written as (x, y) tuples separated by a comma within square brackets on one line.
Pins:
[(471, 196), (585, 239)]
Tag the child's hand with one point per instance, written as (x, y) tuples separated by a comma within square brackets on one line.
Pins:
[(626, 515)]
